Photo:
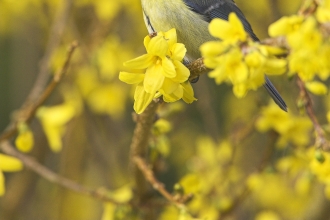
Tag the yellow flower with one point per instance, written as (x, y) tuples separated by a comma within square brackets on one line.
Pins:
[(290, 128), (231, 31), (238, 59), (320, 169), (317, 88), (306, 36), (245, 70), (53, 120), (8, 164), (309, 49), (285, 25), (24, 141), (164, 72), (323, 11)]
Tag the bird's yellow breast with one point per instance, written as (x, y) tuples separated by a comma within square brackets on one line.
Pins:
[(191, 29)]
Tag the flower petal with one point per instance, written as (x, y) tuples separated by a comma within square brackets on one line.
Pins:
[(240, 90), (188, 93), (218, 26), (2, 184), (146, 41), (168, 67), (182, 72), (142, 99), (153, 79), (169, 86), (178, 51), (317, 88), (157, 46), (131, 78), (9, 163), (171, 37), (140, 62), (175, 96)]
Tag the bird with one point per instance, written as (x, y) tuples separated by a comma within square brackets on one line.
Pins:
[(191, 18)]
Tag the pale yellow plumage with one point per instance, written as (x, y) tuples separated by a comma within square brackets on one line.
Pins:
[(191, 29)]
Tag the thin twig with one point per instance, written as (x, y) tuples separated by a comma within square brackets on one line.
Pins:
[(28, 112), (320, 139), (55, 35), (149, 175), (49, 175)]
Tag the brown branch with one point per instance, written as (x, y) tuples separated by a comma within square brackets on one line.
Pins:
[(49, 175), (308, 7), (139, 151), (55, 35), (149, 175), (28, 112), (139, 146), (276, 41), (320, 139)]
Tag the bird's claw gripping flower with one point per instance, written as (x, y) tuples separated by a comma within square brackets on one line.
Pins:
[(164, 74)]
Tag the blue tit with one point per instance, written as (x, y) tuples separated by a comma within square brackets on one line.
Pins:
[(190, 18)]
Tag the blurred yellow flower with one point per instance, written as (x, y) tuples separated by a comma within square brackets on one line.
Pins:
[(310, 50), (165, 74), (267, 215), (290, 128), (8, 164), (323, 11), (53, 120), (24, 141), (285, 25), (317, 88)]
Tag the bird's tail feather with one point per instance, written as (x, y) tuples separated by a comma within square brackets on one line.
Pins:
[(274, 94)]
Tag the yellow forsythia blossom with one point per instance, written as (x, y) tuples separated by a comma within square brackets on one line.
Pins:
[(291, 128), (8, 164), (53, 120), (321, 169), (237, 59), (323, 11), (309, 49), (317, 88), (231, 31), (24, 141), (164, 72)]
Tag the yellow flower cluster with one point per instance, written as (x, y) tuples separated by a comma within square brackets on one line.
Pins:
[(212, 178), (309, 49), (164, 72), (237, 59), (294, 129), (321, 168)]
